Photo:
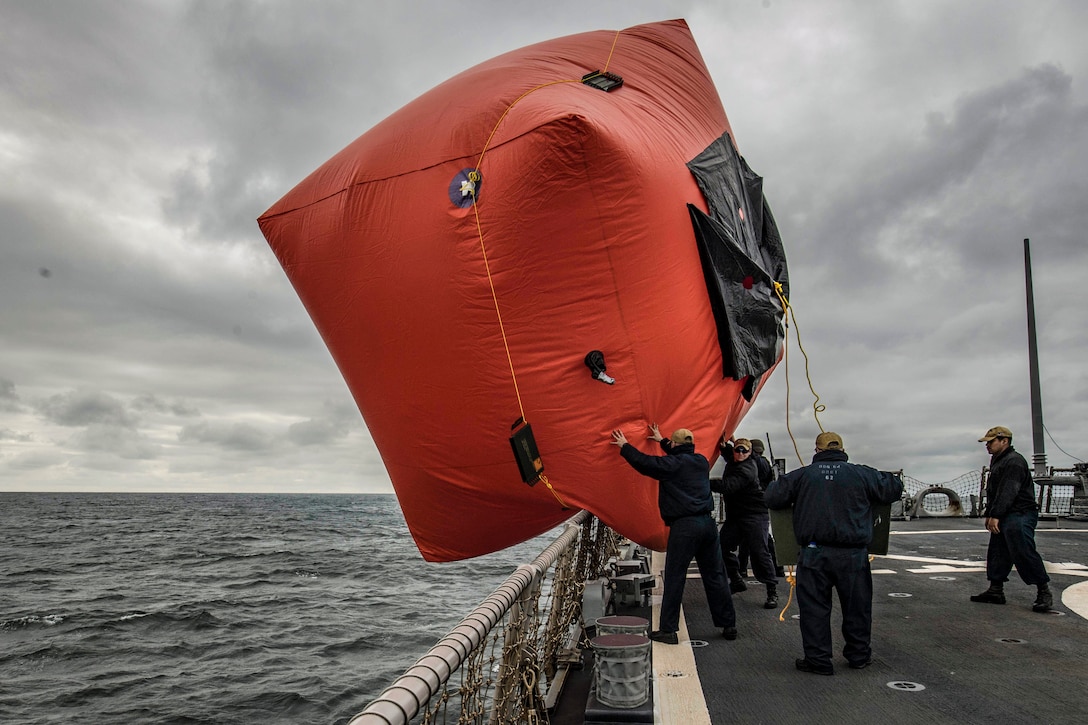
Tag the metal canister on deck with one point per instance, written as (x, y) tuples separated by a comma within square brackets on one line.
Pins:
[(621, 669), (623, 625)]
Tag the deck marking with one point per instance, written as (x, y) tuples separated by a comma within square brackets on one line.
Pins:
[(906, 686), (935, 565), (932, 560), (681, 699), (1075, 597), (982, 530)]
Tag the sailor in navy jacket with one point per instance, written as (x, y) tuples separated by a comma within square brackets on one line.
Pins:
[(832, 499), (1011, 517), (832, 503), (684, 476), (685, 504), (746, 519)]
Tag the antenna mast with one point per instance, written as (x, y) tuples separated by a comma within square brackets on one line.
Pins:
[(1039, 459)]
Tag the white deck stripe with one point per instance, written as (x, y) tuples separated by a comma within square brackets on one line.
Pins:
[(1076, 598), (982, 530), (678, 693)]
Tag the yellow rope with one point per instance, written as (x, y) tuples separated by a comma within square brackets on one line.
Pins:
[(615, 38), (555, 493), (791, 577), (474, 177), (513, 103), (817, 406), (495, 299)]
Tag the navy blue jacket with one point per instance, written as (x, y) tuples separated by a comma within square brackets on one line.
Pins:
[(1009, 487), (684, 477), (766, 473), (740, 490), (832, 499)]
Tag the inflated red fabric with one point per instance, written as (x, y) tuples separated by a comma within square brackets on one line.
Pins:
[(582, 208)]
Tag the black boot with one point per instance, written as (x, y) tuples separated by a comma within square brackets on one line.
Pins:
[(994, 595), (1044, 601), (736, 586), (772, 597)]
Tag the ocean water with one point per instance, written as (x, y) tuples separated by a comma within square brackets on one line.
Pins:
[(218, 608)]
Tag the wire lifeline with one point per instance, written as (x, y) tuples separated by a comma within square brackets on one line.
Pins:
[(474, 176), (1059, 447), (817, 406)]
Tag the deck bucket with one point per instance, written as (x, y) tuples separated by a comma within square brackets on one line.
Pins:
[(621, 669), (623, 625)]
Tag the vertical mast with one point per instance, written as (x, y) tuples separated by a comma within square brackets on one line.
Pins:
[(1039, 459)]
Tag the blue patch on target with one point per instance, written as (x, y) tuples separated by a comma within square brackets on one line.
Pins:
[(465, 188)]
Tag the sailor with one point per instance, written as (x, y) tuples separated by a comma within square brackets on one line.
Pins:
[(685, 504), (766, 475), (766, 471), (832, 503), (1011, 517), (746, 518)]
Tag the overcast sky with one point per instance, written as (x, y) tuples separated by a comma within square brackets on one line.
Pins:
[(150, 341)]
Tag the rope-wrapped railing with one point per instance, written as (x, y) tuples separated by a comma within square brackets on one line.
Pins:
[(413, 690)]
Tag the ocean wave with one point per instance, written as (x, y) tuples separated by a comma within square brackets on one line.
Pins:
[(360, 644), (250, 584), (31, 620), (280, 704), (134, 615), (40, 571), (151, 621)]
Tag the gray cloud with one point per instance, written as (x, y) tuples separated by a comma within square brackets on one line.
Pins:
[(315, 432), (42, 460), (9, 399), (152, 403), (115, 440), (10, 435), (86, 408), (231, 436), (336, 422)]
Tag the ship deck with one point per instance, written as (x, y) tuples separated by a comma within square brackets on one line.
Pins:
[(937, 656)]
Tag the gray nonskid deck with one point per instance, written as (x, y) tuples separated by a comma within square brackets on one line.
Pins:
[(937, 656)]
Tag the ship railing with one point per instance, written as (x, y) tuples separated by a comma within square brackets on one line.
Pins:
[(1059, 494), (958, 497), (500, 663), (1063, 491)]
